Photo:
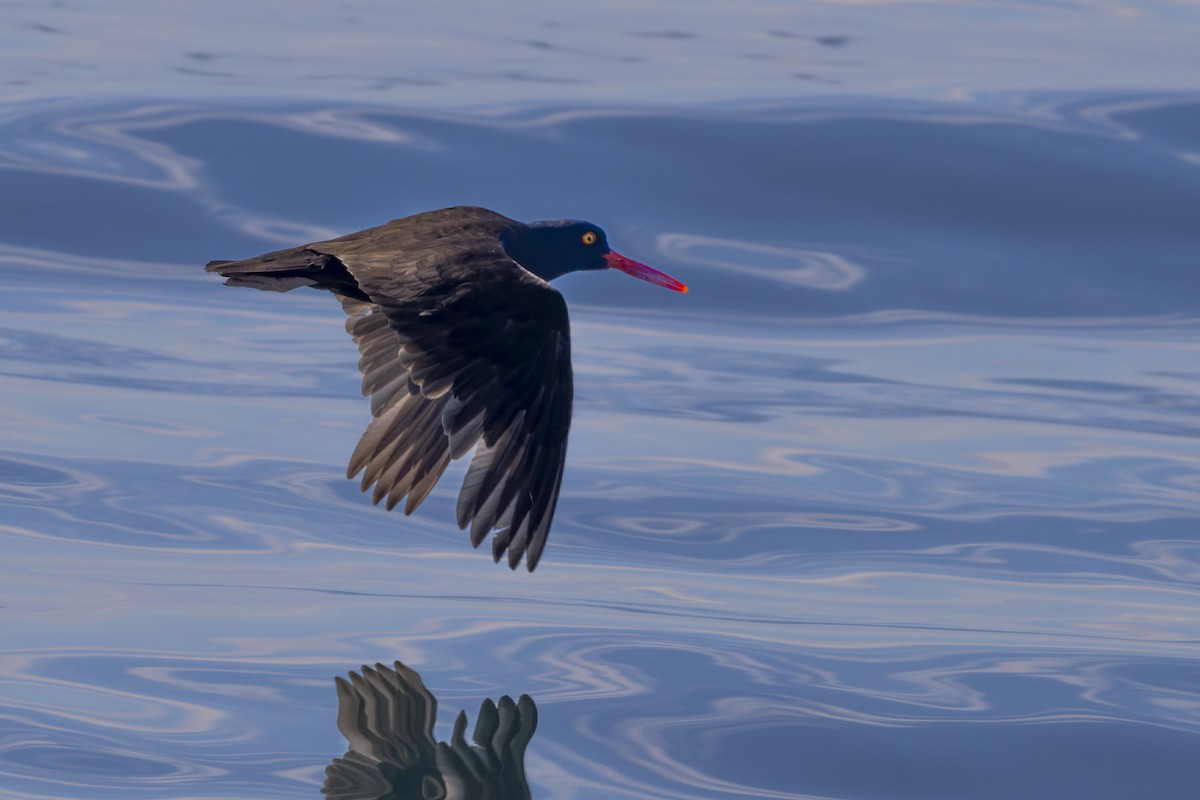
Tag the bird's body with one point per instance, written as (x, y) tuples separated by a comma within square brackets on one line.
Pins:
[(463, 345)]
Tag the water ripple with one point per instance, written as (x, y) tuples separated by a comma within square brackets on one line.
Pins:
[(862, 515), (814, 269)]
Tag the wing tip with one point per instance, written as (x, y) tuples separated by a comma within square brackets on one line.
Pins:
[(501, 548)]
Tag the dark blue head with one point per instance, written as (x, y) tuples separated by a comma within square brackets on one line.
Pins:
[(550, 249), (554, 248)]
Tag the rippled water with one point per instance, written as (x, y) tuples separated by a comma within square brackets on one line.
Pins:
[(900, 501)]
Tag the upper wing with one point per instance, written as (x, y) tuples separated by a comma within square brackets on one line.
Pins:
[(460, 346)]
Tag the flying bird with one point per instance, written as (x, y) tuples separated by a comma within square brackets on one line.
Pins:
[(464, 345)]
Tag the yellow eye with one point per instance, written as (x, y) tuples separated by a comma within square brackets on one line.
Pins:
[(589, 238)]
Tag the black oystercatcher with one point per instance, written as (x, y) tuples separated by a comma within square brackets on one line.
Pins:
[(463, 343)]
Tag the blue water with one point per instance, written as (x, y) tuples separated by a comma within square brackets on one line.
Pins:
[(900, 501)]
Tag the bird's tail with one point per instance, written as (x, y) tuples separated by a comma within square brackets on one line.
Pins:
[(284, 270)]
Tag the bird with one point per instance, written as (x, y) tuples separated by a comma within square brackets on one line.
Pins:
[(387, 716), (463, 346)]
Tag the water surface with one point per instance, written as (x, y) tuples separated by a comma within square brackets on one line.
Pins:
[(899, 501)]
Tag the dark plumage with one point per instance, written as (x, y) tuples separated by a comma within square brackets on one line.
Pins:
[(463, 345)]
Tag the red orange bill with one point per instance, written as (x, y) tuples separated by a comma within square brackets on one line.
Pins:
[(639, 270)]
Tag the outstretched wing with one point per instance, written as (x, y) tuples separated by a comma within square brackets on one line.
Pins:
[(461, 347)]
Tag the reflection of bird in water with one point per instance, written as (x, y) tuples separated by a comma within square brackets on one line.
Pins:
[(463, 343), (387, 716)]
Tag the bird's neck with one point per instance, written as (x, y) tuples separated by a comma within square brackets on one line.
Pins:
[(527, 247)]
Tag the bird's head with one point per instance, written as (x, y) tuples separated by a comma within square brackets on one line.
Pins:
[(554, 248)]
